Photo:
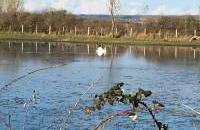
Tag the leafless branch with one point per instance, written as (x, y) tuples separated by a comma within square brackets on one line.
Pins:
[(124, 114)]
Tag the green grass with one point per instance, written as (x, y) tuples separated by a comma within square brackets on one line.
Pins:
[(94, 39)]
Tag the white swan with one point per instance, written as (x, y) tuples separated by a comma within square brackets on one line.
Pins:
[(101, 51)]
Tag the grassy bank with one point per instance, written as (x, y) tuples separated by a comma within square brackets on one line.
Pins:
[(96, 39)]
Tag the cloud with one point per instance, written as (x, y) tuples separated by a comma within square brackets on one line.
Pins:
[(91, 7), (159, 10), (39, 5), (166, 10), (35, 5), (75, 6), (59, 4), (129, 7)]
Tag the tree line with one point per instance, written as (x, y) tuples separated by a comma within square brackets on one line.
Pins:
[(12, 17), (186, 24)]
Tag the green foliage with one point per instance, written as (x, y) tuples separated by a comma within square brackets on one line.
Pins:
[(116, 95)]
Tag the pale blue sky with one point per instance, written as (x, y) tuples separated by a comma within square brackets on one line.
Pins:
[(130, 7)]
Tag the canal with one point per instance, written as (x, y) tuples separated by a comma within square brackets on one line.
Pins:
[(65, 77)]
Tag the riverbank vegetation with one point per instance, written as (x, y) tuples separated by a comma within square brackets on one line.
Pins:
[(62, 22), (42, 37), (51, 24)]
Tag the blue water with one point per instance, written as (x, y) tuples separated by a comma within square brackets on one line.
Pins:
[(173, 77)]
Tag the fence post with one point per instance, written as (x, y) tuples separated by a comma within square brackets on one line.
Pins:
[(9, 28), (49, 29), (36, 29), (63, 30), (176, 33), (116, 31), (145, 31), (101, 31), (88, 31), (195, 32), (22, 28), (58, 32), (159, 33), (75, 30), (131, 32)]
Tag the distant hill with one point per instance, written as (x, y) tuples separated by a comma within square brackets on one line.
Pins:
[(104, 17), (127, 17)]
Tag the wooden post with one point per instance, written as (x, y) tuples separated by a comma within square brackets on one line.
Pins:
[(63, 30), (36, 29), (49, 29), (75, 30), (145, 31), (195, 32), (116, 31), (176, 33), (131, 32), (101, 31), (88, 32), (159, 33), (22, 28), (58, 32)]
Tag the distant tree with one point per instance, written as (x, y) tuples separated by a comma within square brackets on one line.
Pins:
[(113, 9), (199, 14), (1, 5), (12, 5), (58, 19), (145, 9)]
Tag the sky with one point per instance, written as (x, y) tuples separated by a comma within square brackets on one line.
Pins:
[(127, 7)]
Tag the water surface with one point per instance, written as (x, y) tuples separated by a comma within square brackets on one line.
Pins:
[(172, 73)]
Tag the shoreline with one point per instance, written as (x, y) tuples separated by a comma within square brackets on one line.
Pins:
[(94, 40)]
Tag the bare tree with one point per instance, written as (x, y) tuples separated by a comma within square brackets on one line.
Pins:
[(199, 13), (145, 9), (16, 5), (1, 5), (113, 9), (11, 5)]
